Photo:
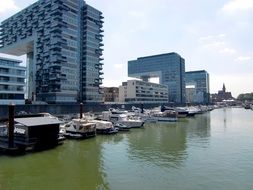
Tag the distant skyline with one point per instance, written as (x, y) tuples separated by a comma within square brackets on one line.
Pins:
[(211, 35)]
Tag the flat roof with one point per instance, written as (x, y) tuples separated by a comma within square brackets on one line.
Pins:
[(198, 71), (37, 121)]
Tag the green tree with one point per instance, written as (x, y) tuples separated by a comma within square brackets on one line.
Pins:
[(246, 96)]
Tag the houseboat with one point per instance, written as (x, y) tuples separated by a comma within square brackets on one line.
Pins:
[(79, 128), (105, 127), (31, 133)]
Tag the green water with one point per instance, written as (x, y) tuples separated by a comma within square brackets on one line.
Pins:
[(210, 151)]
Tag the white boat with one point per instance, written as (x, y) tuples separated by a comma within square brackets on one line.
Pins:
[(121, 127), (166, 116), (80, 128), (123, 117), (117, 111), (3, 131), (104, 127), (125, 120)]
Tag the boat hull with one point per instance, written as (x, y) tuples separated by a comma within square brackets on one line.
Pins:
[(79, 135), (108, 131)]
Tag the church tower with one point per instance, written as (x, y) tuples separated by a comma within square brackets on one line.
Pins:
[(224, 88)]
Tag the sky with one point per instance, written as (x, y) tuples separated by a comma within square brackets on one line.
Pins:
[(211, 35)]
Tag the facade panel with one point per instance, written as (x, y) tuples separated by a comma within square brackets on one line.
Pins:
[(143, 92), (12, 81), (170, 68), (56, 36), (198, 85)]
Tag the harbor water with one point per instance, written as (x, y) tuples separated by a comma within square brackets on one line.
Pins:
[(210, 151)]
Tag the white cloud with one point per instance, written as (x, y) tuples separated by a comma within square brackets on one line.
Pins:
[(227, 51), (8, 5), (218, 43), (118, 66), (214, 44), (238, 5), (212, 37), (243, 58)]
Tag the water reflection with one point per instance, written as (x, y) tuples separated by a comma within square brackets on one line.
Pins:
[(166, 144), (74, 165), (163, 145), (198, 130), (160, 156)]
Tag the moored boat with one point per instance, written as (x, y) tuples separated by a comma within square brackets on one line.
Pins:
[(121, 127), (181, 112), (125, 120), (105, 127), (80, 128), (166, 116)]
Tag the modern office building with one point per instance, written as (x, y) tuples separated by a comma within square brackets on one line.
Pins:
[(143, 92), (62, 40), (169, 68), (110, 94), (12, 81), (197, 87)]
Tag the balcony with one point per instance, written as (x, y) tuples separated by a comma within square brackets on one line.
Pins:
[(98, 52), (99, 67)]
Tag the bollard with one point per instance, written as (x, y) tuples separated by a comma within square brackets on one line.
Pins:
[(81, 110), (11, 126)]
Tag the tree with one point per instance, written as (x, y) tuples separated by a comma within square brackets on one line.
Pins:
[(246, 96)]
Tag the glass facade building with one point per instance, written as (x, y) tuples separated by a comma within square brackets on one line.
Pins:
[(12, 81), (199, 81), (62, 40), (169, 67)]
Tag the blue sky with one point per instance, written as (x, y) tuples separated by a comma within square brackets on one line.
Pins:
[(214, 35)]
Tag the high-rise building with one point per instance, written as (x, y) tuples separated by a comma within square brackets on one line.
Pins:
[(143, 92), (169, 68), (62, 40), (12, 81), (197, 86)]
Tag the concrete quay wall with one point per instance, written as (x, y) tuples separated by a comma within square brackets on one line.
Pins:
[(62, 109)]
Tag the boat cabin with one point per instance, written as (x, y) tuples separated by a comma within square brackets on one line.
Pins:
[(33, 132)]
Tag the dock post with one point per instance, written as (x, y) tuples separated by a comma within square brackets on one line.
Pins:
[(81, 110), (11, 126)]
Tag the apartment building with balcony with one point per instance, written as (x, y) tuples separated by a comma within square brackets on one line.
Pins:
[(137, 91), (12, 81), (63, 43)]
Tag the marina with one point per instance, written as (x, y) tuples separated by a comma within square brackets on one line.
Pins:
[(208, 151)]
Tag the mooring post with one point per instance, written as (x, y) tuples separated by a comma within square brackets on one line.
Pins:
[(11, 126), (81, 110)]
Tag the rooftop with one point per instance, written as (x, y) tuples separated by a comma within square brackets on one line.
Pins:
[(37, 121)]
